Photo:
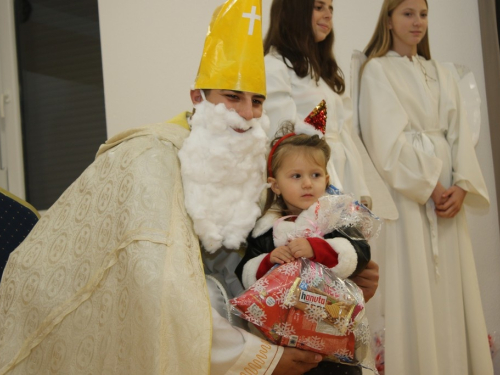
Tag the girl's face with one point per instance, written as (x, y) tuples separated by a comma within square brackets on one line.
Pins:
[(301, 179), (322, 19), (408, 25)]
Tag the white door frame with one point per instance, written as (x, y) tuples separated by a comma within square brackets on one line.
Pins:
[(11, 145)]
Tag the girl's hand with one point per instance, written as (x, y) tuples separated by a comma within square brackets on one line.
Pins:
[(452, 200), (300, 247), (281, 255), (437, 194)]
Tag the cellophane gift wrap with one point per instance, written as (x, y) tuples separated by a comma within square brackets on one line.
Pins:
[(302, 304)]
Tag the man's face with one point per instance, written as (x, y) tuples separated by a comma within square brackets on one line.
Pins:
[(248, 105), (222, 169)]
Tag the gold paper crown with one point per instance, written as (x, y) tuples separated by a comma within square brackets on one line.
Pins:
[(233, 55)]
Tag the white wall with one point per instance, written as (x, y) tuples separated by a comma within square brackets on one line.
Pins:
[(151, 54)]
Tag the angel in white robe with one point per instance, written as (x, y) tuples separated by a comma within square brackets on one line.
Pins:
[(416, 132)]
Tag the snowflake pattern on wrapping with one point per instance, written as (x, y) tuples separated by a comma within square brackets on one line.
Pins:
[(304, 274), (315, 313), (290, 300), (343, 355), (261, 285), (314, 342), (284, 329), (338, 288), (362, 333), (329, 213), (281, 297), (333, 212), (256, 315), (351, 327), (311, 276), (289, 269), (343, 324)]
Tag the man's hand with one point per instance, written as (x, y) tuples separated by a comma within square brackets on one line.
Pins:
[(296, 362), (452, 200), (280, 255), (367, 280), (300, 247)]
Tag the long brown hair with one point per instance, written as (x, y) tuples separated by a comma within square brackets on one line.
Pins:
[(381, 41), (286, 147), (291, 33)]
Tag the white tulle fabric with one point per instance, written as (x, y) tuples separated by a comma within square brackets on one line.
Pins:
[(95, 287), (329, 213)]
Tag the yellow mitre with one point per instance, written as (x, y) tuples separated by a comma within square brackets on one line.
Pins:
[(233, 55)]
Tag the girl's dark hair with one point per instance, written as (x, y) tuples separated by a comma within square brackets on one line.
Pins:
[(291, 33), (286, 147)]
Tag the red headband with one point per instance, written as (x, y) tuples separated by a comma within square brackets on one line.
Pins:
[(270, 157)]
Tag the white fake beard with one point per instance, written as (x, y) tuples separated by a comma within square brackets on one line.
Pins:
[(223, 174)]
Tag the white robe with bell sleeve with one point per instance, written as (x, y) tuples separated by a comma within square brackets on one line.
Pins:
[(292, 98), (417, 134), (234, 350)]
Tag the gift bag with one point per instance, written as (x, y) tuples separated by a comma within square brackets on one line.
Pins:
[(302, 304)]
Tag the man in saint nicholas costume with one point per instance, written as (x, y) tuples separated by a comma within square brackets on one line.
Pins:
[(110, 280)]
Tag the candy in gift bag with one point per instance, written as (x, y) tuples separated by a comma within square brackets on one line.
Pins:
[(302, 304), (263, 304)]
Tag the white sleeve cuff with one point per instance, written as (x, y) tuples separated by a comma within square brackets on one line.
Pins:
[(249, 274), (348, 259), (260, 357)]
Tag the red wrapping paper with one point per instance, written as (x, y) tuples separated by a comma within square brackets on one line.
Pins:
[(302, 304)]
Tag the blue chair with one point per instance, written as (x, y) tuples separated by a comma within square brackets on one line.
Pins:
[(17, 218)]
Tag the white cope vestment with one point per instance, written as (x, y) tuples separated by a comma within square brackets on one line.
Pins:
[(110, 280), (417, 134)]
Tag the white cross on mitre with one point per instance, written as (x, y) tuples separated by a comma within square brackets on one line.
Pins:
[(252, 16)]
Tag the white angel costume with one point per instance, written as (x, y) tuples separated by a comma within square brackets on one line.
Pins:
[(291, 98), (110, 280), (415, 130)]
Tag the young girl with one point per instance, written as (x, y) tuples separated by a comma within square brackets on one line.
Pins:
[(301, 70), (298, 177), (417, 135)]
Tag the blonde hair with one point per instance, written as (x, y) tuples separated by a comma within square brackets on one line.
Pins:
[(287, 146), (381, 41)]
